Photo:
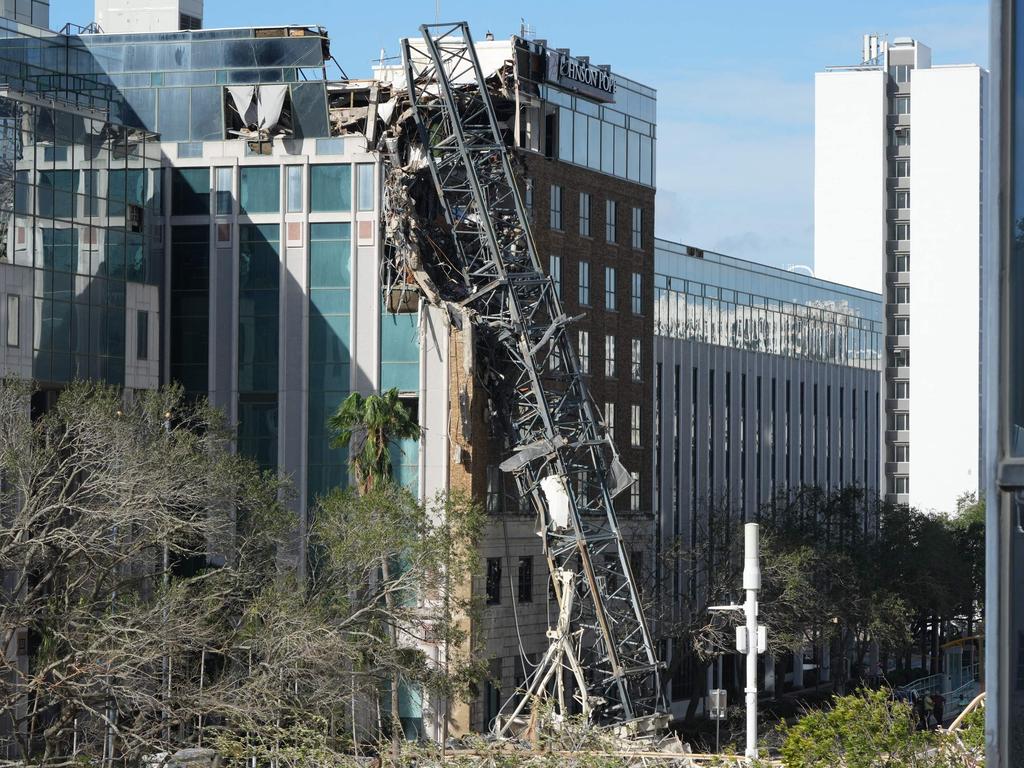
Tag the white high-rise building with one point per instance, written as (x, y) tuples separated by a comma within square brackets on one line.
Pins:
[(897, 209)]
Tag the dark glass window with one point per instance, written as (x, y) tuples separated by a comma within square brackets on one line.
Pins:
[(190, 191), (190, 307), (258, 279), (525, 591), (493, 580), (142, 335)]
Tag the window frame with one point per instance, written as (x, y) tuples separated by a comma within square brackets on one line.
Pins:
[(583, 283), (584, 214), (555, 208), (609, 356)]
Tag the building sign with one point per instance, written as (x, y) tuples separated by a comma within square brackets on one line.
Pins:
[(582, 77)]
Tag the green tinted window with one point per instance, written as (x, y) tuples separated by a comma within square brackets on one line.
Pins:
[(330, 187), (330, 254), (259, 189)]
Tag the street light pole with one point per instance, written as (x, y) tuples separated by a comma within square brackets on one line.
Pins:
[(752, 584), (751, 639)]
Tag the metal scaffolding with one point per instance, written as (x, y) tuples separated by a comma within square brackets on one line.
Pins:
[(483, 260)]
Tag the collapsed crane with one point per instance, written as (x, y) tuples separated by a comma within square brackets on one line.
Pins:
[(478, 261)]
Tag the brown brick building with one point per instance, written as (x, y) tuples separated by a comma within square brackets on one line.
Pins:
[(587, 156)]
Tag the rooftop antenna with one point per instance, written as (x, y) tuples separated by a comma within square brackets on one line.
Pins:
[(526, 31)]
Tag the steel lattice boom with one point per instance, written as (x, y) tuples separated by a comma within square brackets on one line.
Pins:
[(561, 457)]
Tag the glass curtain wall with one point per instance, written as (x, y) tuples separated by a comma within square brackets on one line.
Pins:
[(330, 285), (258, 296), (78, 204)]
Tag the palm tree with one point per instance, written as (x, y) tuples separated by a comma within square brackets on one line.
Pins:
[(368, 426)]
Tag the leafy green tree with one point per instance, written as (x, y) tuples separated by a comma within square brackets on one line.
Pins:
[(864, 730)]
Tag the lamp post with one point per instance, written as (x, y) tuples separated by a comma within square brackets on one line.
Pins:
[(751, 638)]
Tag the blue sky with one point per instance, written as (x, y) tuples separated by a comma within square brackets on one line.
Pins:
[(734, 81)]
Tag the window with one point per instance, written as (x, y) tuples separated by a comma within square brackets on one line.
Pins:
[(899, 262), (259, 189), (330, 187), (555, 271), (634, 493), (900, 326), (901, 137), (584, 351), (899, 294), (294, 193), (224, 191), (528, 199), (899, 452), (585, 214), (556, 206), (584, 283), (899, 199), (190, 191), (609, 288), (636, 294), (610, 211), (899, 358), (634, 426), (900, 73), (901, 169), (142, 335), (901, 484), (899, 389), (901, 105), (899, 420), (899, 230), (638, 228), (364, 187), (609, 419), (609, 355), (186, 21), (493, 580), (525, 591), (493, 495), (13, 320), (634, 359)]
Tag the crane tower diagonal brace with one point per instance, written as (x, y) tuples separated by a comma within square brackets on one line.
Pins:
[(482, 260)]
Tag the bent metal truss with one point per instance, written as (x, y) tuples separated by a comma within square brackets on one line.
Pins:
[(483, 262)]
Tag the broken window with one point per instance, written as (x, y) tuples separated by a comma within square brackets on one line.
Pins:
[(257, 112)]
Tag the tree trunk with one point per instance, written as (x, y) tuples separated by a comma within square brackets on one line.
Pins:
[(396, 720)]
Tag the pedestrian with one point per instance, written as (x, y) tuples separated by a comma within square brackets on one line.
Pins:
[(938, 705), (929, 707), (918, 704)]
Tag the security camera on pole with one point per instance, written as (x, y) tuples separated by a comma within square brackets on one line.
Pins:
[(751, 638)]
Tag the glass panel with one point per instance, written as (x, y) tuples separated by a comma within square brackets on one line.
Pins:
[(294, 188), (330, 187), (329, 357), (173, 116), (259, 189), (190, 191), (364, 186), (224, 192), (207, 122)]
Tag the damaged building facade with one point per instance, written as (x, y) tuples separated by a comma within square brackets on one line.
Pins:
[(242, 252), (584, 154)]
